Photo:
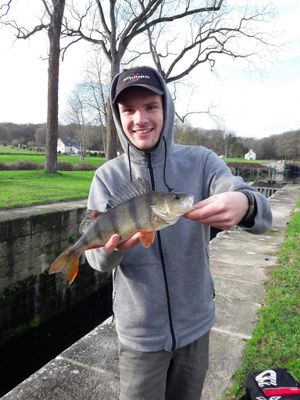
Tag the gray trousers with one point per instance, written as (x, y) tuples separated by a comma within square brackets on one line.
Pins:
[(162, 375)]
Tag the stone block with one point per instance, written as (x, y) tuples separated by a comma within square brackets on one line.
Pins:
[(4, 231), (231, 316), (226, 352), (4, 249), (82, 383)]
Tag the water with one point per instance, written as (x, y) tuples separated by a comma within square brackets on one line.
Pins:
[(25, 355)]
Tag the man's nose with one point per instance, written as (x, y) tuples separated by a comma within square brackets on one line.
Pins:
[(140, 117)]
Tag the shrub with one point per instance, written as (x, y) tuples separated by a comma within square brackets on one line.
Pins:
[(84, 166), (3, 166), (61, 166), (64, 166), (20, 165)]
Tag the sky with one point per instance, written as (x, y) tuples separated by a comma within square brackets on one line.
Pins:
[(249, 103)]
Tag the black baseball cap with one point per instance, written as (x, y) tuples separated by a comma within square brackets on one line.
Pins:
[(140, 76)]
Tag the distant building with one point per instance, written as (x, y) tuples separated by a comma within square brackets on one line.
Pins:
[(250, 155), (68, 146)]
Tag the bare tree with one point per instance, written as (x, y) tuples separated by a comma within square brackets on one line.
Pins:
[(114, 26), (54, 30), (97, 84), (51, 21), (77, 114), (230, 31), (235, 32), (40, 136)]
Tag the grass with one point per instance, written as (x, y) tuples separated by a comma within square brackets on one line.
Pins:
[(243, 161), (40, 159), (25, 188), (276, 338), (15, 150)]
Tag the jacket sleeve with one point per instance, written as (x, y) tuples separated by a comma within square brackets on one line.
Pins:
[(220, 179), (101, 261), (97, 200)]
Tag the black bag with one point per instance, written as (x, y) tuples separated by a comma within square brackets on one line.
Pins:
[(272, 384)]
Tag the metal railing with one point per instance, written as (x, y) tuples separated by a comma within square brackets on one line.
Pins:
[(267, 191)]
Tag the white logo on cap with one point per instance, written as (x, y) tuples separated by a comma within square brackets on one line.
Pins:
[(135, 77)]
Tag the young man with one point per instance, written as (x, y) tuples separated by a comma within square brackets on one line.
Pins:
[(163, 295)]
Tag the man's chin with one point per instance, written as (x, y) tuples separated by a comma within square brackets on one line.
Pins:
[(144, 144)]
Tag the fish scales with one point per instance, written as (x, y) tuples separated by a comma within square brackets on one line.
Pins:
[(132, 216), (125, 220), (139, 209)]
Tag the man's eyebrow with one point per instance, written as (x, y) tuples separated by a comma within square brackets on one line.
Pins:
[(154, 102), (150, 103)]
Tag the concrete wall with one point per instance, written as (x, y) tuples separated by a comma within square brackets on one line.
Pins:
[(30, 240)]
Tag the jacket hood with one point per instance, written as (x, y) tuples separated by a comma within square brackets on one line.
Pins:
[(166, 137)]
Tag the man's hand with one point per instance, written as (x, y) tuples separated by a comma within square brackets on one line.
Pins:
[(222, 211), (114, 244)]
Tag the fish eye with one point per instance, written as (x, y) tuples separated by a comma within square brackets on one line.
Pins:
[(176, 196)]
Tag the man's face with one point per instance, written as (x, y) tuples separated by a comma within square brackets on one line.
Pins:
[(141, 113)]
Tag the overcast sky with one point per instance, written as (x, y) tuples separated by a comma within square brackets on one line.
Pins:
[(251, 104)]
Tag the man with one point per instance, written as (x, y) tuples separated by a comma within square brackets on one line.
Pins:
[(163, 295)]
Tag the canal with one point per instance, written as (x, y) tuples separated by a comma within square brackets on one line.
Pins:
[(24, 355)]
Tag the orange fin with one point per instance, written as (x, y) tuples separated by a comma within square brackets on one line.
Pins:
[(67, 264), (147, 238)]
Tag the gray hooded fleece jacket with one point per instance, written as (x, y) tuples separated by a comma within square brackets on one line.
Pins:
[(164, 295)]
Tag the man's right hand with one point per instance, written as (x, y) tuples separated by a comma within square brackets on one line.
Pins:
[(114, 244)]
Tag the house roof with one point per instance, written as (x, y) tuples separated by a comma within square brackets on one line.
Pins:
[(70, 142)]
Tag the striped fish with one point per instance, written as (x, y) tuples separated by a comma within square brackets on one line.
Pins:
[(134, 208)]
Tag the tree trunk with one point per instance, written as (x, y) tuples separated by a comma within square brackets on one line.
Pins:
[(53, 79), (112, 140)]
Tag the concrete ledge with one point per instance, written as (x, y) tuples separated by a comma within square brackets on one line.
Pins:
[(87, 370), (240, 264), (16, 213)]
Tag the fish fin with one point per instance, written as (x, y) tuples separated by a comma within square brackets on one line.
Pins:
[(88, 219), (71, 277), (136, 188), (147, 238), (66, 264), (169, 219)]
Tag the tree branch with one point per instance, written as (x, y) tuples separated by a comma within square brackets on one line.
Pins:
[(6, 8), (174, 17)]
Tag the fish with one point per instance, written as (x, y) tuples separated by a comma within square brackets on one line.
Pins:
[(134, 208)]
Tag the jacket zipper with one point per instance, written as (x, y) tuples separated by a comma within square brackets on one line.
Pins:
[(162, 259)]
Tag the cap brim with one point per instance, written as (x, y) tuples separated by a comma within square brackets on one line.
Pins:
[(151, 88)]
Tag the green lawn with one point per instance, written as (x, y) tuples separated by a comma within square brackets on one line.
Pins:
[(276, 338), (15, 150), (243, 161), (9, 158), (24, 188)]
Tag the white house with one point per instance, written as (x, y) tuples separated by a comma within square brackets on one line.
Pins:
[(68, 146), (250, 155)]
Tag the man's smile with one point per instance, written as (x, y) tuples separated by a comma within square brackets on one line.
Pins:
[(144, 131)]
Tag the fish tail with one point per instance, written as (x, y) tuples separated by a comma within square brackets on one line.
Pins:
[(66, 263)]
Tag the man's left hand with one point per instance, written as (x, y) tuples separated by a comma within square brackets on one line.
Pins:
[(222, 211)]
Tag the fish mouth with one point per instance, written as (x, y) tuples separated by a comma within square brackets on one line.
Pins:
[(190, 201)]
